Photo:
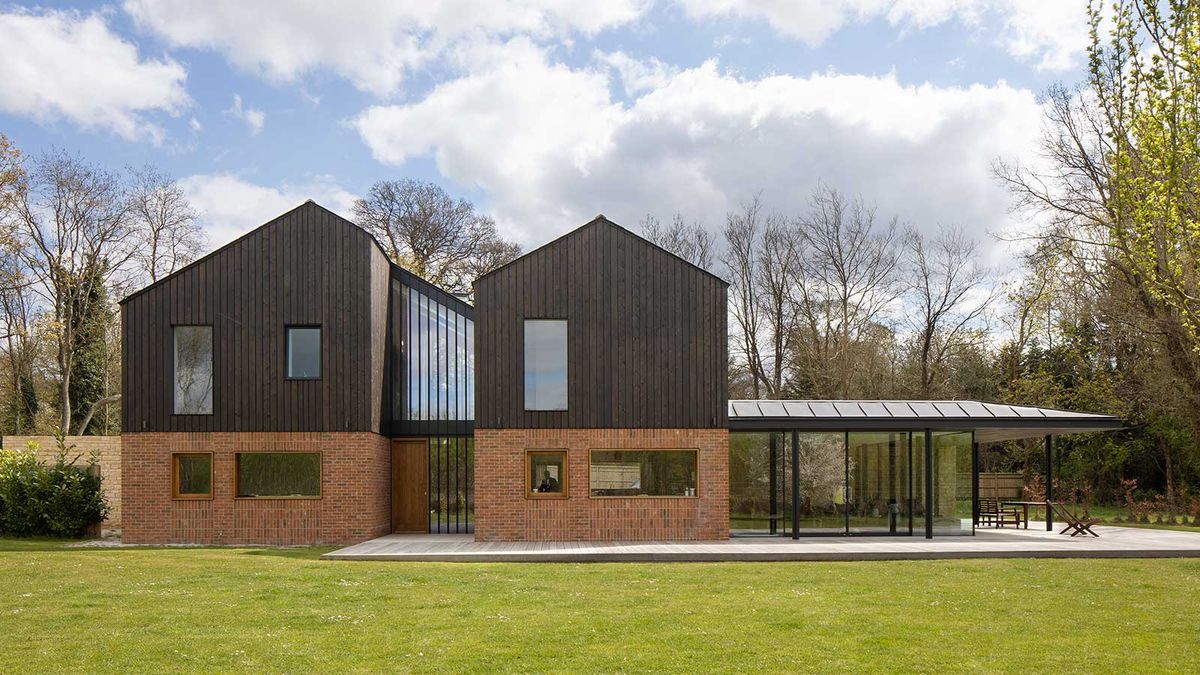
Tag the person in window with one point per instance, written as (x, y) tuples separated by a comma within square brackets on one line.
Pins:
[(549, 484)]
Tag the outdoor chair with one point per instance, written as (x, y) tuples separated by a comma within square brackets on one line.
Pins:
[(991, 513), (1075, 524)]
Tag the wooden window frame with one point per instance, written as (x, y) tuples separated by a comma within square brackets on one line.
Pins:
[(565, 482), (320, 473), (287, 345), (176, 494), (694, 451)]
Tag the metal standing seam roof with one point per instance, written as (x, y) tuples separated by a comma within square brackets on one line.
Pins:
[(989, 421)]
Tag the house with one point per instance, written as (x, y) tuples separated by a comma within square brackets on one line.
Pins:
[(296, 387)]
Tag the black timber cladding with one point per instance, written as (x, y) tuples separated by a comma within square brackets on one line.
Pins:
[(306, 267), (646, 334)]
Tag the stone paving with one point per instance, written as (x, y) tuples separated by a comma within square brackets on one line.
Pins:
[(1036, 542)]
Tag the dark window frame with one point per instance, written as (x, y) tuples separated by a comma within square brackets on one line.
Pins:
[(320, 473), (564, 482), (212, 334), (566, 364), (192, 496), (287, 351)]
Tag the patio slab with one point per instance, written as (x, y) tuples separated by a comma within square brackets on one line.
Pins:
[(1114, 542)]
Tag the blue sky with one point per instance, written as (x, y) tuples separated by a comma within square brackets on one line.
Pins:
[(545, 113)]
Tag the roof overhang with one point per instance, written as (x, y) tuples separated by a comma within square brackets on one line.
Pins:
[(990, 422)]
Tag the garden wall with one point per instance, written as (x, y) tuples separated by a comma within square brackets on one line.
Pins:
[(108, 448)]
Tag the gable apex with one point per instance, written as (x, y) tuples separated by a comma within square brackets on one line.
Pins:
[(600, 219)]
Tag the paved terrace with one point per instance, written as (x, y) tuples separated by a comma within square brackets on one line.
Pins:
[(1114, 542)]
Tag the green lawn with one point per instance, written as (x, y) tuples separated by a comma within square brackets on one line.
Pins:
[(135, 610)]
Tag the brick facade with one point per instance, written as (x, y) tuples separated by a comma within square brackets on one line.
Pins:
[(503, 513), (355, 491), (107, 450)]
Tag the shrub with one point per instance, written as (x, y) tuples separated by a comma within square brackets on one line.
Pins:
[(61, 499)]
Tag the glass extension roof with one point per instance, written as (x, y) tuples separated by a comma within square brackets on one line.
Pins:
[(990, 421)]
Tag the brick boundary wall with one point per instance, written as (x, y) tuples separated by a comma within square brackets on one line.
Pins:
[(504, 513), (109, 450), (355, 502)]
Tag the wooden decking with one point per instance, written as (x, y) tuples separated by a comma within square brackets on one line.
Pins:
[(1114, 542)]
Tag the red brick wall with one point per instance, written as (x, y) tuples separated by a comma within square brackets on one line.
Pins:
[(503, 513), (354, 504)]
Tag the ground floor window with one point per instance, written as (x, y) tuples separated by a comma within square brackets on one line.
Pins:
[(547, 474), (643, 473), (191, 475), (278, 474)]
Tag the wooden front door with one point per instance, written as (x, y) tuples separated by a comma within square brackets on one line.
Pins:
[(410, 485)]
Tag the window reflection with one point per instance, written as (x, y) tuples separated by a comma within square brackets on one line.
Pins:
[(436, 382)]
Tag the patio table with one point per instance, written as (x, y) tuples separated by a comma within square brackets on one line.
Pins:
[(1025, 507)]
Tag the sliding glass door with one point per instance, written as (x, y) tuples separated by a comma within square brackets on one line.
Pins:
[(857, 483), (880, 482), (821, 474)]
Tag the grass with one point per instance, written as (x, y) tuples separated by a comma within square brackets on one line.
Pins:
[(70, 609)]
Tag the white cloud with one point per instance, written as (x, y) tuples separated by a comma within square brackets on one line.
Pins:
[(372, 43), (66, 65), (637, 75), (1050, 33), (551, 147), (195, 125), (254, 119), (231, 206)]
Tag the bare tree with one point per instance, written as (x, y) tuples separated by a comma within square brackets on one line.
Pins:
[(949, 292), (20, 346), (742, 234), (164, 224), (850, 280), (71, 219), (432, 234), (691, 242)]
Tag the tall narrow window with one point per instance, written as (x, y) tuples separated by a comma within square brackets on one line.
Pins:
[(304, 352), (545, 364), (193, 370)]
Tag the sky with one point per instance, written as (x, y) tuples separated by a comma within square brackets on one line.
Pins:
[(545, 113)]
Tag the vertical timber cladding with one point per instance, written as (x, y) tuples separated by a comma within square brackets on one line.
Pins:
[(646, 335), (646, 360), (308, 266)]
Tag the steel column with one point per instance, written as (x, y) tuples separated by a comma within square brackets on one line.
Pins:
[(929, 484), (795, 484), (774, 480), (1049, 482)]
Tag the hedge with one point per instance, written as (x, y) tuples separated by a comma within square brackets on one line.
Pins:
[(59, 499)]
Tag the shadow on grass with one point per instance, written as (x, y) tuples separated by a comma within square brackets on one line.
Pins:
[(10, 545), (45, 544), (295, 553)]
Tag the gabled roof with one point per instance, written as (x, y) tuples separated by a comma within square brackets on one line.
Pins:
[(599, 220), (307, 204), (990, 421)]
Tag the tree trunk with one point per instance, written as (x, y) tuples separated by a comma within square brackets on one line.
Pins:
[(100, 403)]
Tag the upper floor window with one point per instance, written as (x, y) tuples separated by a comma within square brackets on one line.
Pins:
[(545, 364), (193, 370), (304, 352)]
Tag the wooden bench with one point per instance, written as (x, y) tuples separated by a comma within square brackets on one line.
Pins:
[(990, 513)]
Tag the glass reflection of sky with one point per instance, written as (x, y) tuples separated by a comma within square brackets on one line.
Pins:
[(440, 351), (545, 365)]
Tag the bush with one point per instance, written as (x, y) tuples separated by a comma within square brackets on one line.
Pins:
[(60, 499)]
